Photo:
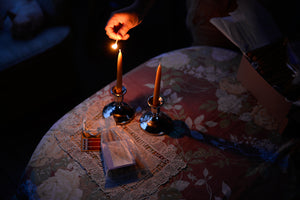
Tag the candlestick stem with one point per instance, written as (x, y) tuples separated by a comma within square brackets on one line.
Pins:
[(156, 122), (120, 110)]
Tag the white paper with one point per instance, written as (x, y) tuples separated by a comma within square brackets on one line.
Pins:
[(116, 154), (249, 27)]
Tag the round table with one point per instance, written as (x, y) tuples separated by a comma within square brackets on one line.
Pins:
[(224, 145)]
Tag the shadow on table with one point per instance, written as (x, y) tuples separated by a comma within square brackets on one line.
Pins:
[(180, 129), (276, 169), (260, 154)]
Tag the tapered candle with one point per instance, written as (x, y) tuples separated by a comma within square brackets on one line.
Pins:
[(157, 86), (119, 73)]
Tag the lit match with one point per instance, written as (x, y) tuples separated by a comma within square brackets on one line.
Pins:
[(115, 45)]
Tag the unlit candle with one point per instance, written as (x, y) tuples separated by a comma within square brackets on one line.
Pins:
[(157, 86)]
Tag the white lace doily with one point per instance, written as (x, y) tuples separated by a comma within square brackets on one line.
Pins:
[(161, 159)]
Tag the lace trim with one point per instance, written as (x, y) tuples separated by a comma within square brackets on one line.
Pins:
[(160, 158)]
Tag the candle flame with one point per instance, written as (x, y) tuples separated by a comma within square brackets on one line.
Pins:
[(115, 45)]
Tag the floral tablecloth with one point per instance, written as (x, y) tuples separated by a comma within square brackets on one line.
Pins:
[(224, 145)]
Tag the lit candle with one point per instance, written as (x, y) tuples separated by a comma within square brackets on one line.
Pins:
[(157, 86), (119, 73)]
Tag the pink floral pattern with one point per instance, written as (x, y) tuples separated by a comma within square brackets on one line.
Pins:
[(225, 138)]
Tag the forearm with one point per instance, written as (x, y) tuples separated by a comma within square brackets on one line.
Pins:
[(142, 7), (122, 20)]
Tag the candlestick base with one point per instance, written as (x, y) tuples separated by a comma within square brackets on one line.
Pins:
[(154, 121), (120, 110)]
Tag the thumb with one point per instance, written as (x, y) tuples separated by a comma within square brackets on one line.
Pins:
[(123, 33)]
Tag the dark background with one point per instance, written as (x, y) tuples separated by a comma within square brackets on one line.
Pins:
[(36, 93)]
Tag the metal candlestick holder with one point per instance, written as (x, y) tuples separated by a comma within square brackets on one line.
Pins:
[(154, 121), (120, 110)]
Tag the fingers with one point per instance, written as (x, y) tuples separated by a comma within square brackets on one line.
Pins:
[(117, 33), (123, 32), (119, 24), (120, 34), (116, 29), (125, 37), (112, 30)]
